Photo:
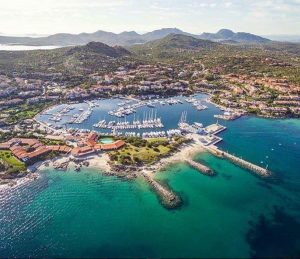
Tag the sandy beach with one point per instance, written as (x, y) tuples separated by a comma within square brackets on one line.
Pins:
[(96, 161), (187, 151), (100, 161)]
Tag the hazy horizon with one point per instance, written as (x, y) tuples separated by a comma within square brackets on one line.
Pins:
[(19, 17), (33, 35)]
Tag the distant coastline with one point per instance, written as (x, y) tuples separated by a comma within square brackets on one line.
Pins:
[(17, 47)]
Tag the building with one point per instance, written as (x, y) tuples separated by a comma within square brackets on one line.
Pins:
[(26, 150)]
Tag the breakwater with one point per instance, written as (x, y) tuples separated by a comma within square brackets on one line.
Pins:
[(169, 199), (200, 167), (239, 161)]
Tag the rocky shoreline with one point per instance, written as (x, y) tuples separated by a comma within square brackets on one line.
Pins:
[(167, 197)]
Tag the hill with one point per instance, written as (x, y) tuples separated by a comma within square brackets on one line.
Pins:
[(176, 46), (228, 35), (90, 57), (67, 39), (128, 38), (100, 49), (179, 41), (159, 34)]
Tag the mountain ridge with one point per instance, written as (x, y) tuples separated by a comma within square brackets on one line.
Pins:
[(180, 41), (229, 35), (128, 38)]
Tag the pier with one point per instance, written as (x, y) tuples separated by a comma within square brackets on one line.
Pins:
[(215, 129), (239, 161), (200, 167), (168, 198)]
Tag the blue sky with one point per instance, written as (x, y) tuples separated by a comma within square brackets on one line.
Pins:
[(195, 16)]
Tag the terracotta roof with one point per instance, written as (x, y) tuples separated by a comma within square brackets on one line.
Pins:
[(67, 149), (36, 145), (92, 136), (91, 143), (97, 147), (38, 152), (119, 143), (4, 145), (18, 147), (81, 151), (85, 149), (54, 148), (59, 148), (26, 141), (75, 151), (112, 146)]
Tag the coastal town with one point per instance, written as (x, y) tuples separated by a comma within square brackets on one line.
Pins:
[(123, 150), (149, 129), (130, 143), (264, 96), (141, 81)]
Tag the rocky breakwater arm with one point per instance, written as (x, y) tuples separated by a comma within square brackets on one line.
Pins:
[(240, 162), (200, 167), (168, 198)]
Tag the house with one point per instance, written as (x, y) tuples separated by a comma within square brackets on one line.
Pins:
[(113, 146), (82, 151)]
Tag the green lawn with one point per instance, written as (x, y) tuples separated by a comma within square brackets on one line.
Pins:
[(51, 142), (12, 163), (146, 154)]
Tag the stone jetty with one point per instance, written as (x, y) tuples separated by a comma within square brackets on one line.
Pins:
[(200, 167), (239, 161), (169, 199)]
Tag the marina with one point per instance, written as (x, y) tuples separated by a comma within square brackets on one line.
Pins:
[(148, 121)]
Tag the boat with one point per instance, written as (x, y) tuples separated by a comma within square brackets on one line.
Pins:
[(199, 125), (150, 105)]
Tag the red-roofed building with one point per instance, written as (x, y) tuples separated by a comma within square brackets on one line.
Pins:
[(113, 146), (25, 149), (82, 151), (92, 139)]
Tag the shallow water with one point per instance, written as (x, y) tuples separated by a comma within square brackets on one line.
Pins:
[(234, 214)]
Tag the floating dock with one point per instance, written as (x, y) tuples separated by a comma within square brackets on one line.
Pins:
[(239, 161), (200, 167)]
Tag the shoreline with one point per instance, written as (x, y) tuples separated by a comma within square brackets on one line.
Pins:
[(35, 170), (102, 162), (187, 151), (168, 198), (18, 182)]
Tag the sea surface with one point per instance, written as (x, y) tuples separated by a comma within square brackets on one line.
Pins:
[(234, 214), (25, 47)]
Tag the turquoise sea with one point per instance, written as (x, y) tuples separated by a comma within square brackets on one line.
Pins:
[(234, 214)]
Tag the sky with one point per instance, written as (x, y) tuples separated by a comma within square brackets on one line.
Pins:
[(263, 17)]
